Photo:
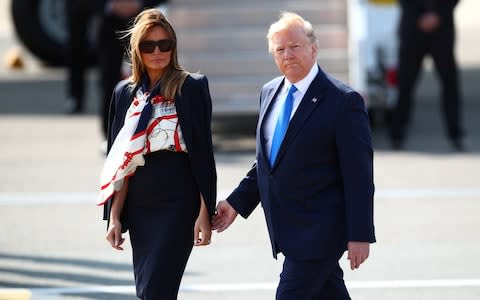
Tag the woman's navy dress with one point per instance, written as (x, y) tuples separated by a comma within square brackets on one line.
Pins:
[(163, 204)]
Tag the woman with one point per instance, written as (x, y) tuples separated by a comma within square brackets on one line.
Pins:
[(159, 178)]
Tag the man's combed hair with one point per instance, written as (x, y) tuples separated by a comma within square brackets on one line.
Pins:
[(290, 19)]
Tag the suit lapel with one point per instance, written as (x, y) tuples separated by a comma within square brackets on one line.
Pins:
[(184, 118), (266, 107), (311, 99)]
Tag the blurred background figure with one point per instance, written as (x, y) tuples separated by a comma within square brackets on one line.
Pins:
[(427, 27), (115, 18), (80, 14)]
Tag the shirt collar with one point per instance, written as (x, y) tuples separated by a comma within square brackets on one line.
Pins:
[(302, 85)]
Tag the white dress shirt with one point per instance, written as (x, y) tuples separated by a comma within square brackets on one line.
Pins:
[(277, 104)]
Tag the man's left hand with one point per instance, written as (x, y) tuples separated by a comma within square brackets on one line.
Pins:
[(357, 253)]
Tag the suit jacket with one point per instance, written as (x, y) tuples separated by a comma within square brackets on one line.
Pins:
[(319, 193), (194, 110)]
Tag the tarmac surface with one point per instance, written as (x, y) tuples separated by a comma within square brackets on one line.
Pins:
[(52, 240), (52, 245)]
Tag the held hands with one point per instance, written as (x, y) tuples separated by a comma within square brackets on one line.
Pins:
[(114, 235), (224, 217), (357, 253)]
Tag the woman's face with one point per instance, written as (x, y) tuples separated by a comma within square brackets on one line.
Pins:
[(158, 60)]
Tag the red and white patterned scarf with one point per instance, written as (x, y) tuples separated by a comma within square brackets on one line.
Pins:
[(127, 150)]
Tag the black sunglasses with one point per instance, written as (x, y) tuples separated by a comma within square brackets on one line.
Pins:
[(148, 46)]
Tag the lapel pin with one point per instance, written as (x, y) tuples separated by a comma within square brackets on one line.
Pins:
[(314, 100)]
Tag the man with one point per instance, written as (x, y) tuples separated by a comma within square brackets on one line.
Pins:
[(80, 15), (315, 186), (427, 27), (115, 17)]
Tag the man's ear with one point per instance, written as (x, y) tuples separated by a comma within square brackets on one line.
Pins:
[(314, 50)]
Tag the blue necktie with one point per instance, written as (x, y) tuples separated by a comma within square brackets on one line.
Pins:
[(282, 124)]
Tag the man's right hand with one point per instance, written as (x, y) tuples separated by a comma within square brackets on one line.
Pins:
[(224, 216)]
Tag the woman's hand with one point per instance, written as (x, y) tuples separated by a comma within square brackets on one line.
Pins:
[(203, 229), (114, 234)]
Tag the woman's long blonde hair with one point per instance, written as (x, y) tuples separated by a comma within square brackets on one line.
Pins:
[(174, 76)]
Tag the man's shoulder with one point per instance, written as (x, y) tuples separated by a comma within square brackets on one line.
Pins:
[(274, 82), (341, 93), (339, 85)]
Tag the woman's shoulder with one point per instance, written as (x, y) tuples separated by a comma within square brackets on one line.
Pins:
[(195, 79), (196, 76), (125, 85), (194, 83), (123, 92)]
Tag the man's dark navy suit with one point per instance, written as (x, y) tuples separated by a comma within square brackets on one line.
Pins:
[(319, 193)]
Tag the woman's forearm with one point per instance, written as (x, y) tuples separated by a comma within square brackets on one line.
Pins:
[(203, 207), (119, 201)]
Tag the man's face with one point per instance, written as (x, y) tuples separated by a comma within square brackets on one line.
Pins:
[(293, 52)]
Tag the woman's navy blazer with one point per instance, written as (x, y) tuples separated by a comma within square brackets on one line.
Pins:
[(194, 110)]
